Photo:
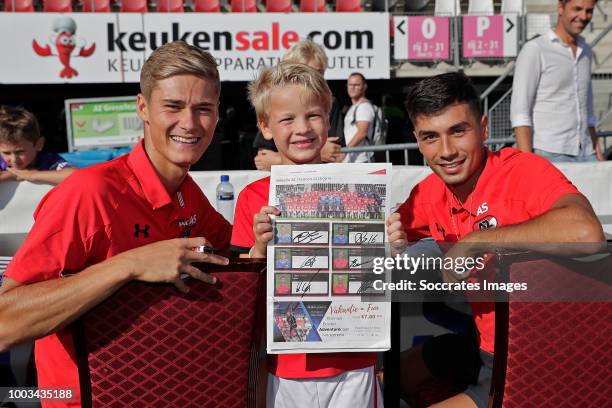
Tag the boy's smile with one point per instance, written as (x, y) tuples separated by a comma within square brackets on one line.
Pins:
[(299, 124)]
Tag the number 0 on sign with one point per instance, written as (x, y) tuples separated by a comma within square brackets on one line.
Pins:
[(421, 38)]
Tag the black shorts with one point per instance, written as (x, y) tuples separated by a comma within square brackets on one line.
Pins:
[(457, 356)]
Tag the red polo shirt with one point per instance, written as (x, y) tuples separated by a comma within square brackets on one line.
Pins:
[(317, 365), (97, 213), (513, 187)]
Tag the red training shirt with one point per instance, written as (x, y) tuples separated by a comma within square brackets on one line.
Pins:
[(97, 213), (316, 365), (513, 187)]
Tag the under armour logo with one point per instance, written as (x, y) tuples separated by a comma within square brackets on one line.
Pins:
[(144, 231)]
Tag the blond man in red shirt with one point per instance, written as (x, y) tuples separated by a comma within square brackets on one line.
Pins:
[(134, 218)]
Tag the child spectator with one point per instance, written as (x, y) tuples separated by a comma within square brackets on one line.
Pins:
[(312, 54), (21, 155), (292, 103)]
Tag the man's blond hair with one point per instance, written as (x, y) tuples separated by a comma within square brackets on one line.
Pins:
[(18, 124), (305, 51), (177, 58), (282, 75)]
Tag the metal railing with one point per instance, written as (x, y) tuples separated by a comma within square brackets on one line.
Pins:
[(494, 143), (405, 147)]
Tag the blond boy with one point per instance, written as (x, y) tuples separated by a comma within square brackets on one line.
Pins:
[(312, 54), (292, 103)]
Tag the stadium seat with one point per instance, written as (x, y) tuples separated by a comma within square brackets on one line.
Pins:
[(512, 6), (170, 6), (556, 351), (57, 6), (348, 5), (447, 8), (148, 346), (480, 7), (243, 6), (206, 6), (19, 5), (97, 6), (133, 6), (278, 6), (309, 6)]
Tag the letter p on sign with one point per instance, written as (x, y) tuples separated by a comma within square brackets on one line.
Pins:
[(482, 24)]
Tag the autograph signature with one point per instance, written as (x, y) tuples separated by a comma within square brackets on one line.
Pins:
[(355, 262), (366, 238), (307, 237), (365, 286), (309, 262), (303, 287)]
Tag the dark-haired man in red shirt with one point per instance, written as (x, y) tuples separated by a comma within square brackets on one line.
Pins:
[(477, 197), (134, 218)]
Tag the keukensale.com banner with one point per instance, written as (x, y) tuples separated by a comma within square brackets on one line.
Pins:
[(107, 47)]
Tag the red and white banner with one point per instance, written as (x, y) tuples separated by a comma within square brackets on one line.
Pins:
[(490, 36), (107, 47), (421, 38)]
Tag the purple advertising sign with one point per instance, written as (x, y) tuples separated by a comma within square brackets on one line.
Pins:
[(428, 38), (483, 36)]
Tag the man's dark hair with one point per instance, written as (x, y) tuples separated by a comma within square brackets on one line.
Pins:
[(359, 74), (564, 2), (436, 93)]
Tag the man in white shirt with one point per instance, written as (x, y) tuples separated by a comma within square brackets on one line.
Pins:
[(552, 97), (359, 118)]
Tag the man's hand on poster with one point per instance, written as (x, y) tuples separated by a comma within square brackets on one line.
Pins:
[(396, 235)]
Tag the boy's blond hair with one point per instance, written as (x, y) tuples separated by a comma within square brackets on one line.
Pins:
[(282, 75), (177, 58), (17, 124), (305, 51)]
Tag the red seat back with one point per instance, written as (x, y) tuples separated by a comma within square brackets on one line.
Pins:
[(244, 6), (98, 6), (194, 348), (557, 353), (348, 5), (170, 6), (57, 6), (133, 6), (279, 6), (312, 5), (19, 5), (206, 6)]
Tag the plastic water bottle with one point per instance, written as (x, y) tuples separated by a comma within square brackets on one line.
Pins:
[(225, 198)]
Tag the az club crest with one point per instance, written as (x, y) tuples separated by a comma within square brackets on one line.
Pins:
[(486, 223), (64, 41)]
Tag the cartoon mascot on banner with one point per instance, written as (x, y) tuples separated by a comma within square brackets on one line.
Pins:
[(65, 42)]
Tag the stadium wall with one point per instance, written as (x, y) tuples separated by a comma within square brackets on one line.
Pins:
[(19, 200)]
